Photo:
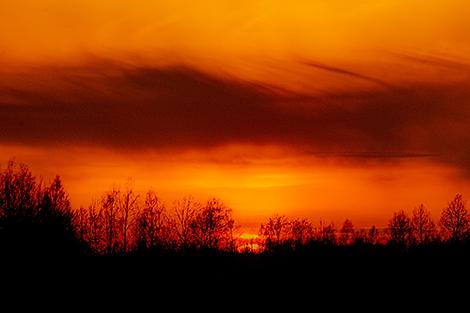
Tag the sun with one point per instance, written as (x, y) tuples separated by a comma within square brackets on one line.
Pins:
[(249, 243)]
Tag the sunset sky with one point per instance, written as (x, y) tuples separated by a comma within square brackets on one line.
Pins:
[(318, 109)]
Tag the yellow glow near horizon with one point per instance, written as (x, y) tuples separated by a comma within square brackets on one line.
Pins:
[(249, 236), (319, 191)]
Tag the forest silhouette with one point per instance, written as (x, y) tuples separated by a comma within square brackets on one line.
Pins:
[(124, 251)]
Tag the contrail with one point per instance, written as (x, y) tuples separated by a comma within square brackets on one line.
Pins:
[(345, 72)]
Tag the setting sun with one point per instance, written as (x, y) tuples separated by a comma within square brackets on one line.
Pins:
[(249, 155)]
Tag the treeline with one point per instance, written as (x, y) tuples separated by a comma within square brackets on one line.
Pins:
[(32, 214), (403, 232), (38, 217), (120, 222)]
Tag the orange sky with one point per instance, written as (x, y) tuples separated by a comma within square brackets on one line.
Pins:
[(319, 109)]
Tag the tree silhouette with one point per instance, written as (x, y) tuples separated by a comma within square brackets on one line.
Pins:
[(32, 218), (346, 233), (18, 198), (81, 223), (423, 227), (110, 213), (95, 228), (151, 224), (372, 235), (232, 231), (301, 232), (211, 226), (108, 225), (326, 233), (55, 216), (456, 220), (400, 230), (118, 224), (128, 208), (275, 232), (182, 221)]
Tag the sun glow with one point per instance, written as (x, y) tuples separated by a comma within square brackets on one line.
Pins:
[(249, 236), (306, 187), (249, 243), (318, 109)]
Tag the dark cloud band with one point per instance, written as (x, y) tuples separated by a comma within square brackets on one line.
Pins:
[(136, 108)]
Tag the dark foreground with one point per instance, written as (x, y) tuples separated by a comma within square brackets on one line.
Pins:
[(377, 279)]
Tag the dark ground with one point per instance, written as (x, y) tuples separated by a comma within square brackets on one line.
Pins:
[(326, 279)]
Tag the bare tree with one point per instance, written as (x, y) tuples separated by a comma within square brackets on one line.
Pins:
[(151, 223), (301, 232), (326, 233), (90, 227), (110, 212), (18, 197), (81, 222), (455, 219), (107, 225), (128, 205), (182, 221), (275, 232), (400, 230), (346, 233), (423, 227), (96, 237), (55, 218), (372, 235), (232, 233), (211, 226)]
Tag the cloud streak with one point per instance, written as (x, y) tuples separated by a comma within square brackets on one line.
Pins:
[(336, 70)]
